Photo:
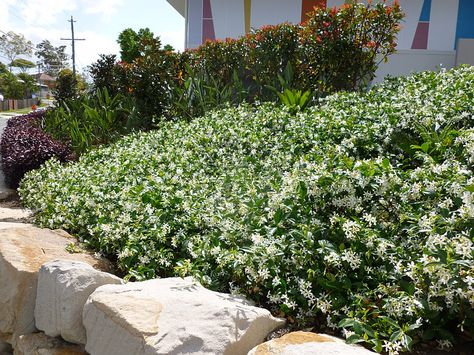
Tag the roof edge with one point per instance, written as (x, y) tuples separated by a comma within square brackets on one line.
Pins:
[(179, 5)]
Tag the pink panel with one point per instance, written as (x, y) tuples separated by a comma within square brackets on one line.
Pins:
[(421, 36)]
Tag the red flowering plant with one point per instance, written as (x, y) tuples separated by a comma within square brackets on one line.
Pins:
[(340, 49), (218, 60), (270, 49)]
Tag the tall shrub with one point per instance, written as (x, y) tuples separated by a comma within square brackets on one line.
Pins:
[(340, 49), (335, 49)]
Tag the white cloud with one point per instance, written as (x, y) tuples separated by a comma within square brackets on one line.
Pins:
[(49, 22), (176, 39), (47, 13), (88, 51), (105, 8)]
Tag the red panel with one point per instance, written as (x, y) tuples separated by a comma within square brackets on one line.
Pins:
[(309, 5), (207, 22), (421, 36), (208, 30), (206, 9)]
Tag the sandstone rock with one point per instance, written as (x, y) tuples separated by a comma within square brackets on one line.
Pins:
[(41, 344), (14, 214), (63, 289), (22, 252), (10, 225), (172, 316), (304, 343)]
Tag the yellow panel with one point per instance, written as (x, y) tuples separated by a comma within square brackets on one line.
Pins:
[(247, 9)]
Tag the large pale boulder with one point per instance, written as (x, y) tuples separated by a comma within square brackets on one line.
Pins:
[(41, 344), (172, 316), (14, 214), (22, 252), (10, 225), (63, 289), (305, 343)]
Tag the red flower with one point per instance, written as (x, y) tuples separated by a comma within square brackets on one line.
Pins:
[(371, 44)]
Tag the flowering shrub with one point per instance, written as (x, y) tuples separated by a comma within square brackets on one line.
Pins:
[(335, 49), (340, 49), (24, 147), (357, 214)]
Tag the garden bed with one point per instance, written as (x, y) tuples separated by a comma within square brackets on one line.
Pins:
[(356, 215)]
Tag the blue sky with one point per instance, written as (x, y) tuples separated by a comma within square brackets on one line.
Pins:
[(98, 21)]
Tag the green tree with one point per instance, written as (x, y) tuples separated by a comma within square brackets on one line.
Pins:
[(3, 68), (134, 45), (23, 64), (107, 73), (19, 86), (68, 87), (13, 45), (28, 83), (53, 59)]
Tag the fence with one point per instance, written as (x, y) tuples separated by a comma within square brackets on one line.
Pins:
[(7, 105)]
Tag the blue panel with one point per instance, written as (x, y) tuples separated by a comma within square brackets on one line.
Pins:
[(425, 11), (465, 27)]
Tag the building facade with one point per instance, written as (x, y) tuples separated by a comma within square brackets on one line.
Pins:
[(435, 33)]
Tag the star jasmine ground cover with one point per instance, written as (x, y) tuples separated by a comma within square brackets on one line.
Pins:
[(356, 215)]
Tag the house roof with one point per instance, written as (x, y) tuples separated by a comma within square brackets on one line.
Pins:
[(179, 5), (44, 77)]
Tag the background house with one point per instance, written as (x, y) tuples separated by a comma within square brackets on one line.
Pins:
[(46, 83), (434, 33)]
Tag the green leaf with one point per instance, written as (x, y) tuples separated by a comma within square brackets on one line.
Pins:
[(407, 286), (347, 323), (278, 216), (354, 339)]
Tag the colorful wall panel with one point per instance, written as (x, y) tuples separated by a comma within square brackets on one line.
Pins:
[(465, 20), (428, 24), (309, 5), (208, 33), (420, 40)]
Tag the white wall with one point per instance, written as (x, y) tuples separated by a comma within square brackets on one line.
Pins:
[(465, 52), (194, 23), (405, 62), (272, 12), (336, 3), (229, 19), (443, 22)]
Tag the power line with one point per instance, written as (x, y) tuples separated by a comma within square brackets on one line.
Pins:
[(73, 41)]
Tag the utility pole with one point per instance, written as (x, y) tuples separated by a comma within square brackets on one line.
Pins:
[(73, 40)]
